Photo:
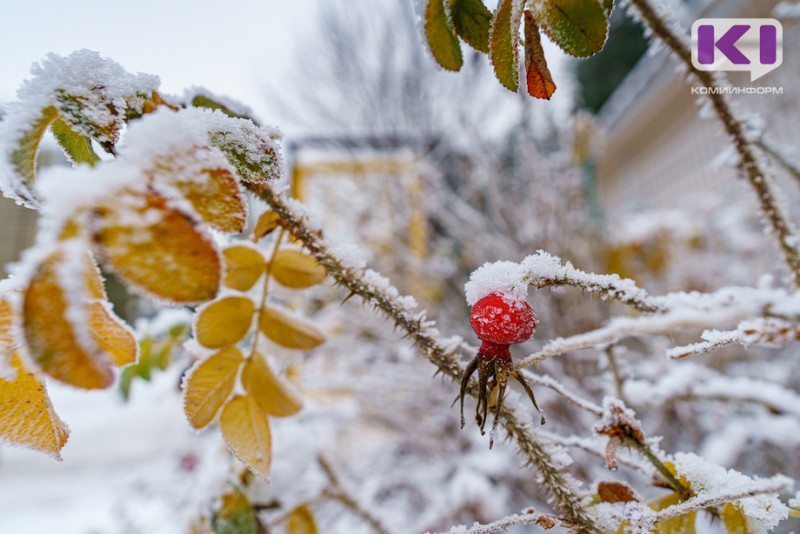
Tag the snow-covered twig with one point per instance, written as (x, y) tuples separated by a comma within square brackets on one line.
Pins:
[(779, 158), (378, 292), (561, 389), (345, 496), (768, 332), (778, 220), (528, 517)]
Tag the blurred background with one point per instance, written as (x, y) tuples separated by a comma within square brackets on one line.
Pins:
[(428, 174)]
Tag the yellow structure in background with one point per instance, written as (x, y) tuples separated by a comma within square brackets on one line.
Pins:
[(365, 168)]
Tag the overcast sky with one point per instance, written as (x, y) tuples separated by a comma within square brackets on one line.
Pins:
[(231, 47)]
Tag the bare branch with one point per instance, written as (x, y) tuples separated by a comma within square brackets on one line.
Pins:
[(761, 183), (528, 517)]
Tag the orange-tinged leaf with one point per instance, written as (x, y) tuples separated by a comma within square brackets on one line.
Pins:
[(296, 270), (289, 330), (224, 322), (615, 491), (540, 82), (27, 417), (301, 521), (111, 334), (52, 341), (442, 39), (268, 390), (157, 248), (7, 340), (245, 429), (266, 224), (504, 44), (243, 267), (204, 178), (209, 384)]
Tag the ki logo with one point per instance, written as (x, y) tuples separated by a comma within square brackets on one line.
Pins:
[(754, 45)]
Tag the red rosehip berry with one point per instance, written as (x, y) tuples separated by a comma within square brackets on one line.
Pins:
[(497, 319), (499, 322)]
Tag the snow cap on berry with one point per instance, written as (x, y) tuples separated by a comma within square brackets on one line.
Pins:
[(501, 277)]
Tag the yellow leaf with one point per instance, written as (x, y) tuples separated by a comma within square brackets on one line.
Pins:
[(209, 384), (7, 341), (204, 179), (224, 322), (268, 390), (243, 267), (246, 431), (296, 270), (111, 334), (734, 519), (27, 417), (235, 515), (23, 156), (157, 248), (51, 338), (683, 524), (288, 330), (301, 521), (266, 224)]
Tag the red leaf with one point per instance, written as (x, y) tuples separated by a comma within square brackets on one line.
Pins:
[(540, 82)]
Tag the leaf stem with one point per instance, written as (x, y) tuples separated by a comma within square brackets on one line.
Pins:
[(265, 291)]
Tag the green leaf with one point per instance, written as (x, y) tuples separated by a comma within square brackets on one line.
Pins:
[(235, 515), (23, 156), (505, 41), (442, 39), (473, 22), (578, 27), (608, 7), (203, 101), (77, 147)]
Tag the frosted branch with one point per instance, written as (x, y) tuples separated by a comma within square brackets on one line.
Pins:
[(769, 332), (761, 183), (374, 289), (347, 497), (529, 517)]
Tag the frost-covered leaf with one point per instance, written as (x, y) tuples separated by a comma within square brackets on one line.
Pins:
[(442, 39), (268, 390), (27, 417), (235, 515), (296, 270), (289, 330), (578, 27), (7, 341), (615, 491), (538, 77), (224, 322), (301, 521), (734, 519), (205, 101), (77, 147), (157, 247), (204, 177), (608, 7), (209, 384), (111, 334), (472, 22), (54, 306), (505, 43), (245, 429), (243, 267), (683, 524), (267, 223), (23, 155)]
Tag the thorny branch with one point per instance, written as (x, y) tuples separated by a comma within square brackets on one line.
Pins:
[(778, 220), (558, 484)]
